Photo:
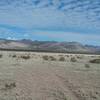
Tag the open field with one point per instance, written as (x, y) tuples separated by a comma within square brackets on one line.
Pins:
[(49, 76)]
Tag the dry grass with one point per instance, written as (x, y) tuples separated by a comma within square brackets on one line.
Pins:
[(70, 79)]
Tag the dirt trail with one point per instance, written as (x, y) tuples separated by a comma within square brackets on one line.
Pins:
[(65, 83), (40, 82)]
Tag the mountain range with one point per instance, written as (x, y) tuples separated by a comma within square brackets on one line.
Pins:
[(48, 46)]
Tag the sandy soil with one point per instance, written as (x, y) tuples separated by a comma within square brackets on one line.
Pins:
[(35, 78)]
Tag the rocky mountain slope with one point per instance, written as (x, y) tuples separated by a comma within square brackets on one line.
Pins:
[(51, 46)]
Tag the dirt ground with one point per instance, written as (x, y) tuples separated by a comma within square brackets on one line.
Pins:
[(48, 76)]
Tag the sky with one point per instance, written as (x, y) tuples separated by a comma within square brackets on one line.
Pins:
[(51, 20)]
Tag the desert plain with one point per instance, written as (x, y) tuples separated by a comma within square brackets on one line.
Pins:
[(49, 76)]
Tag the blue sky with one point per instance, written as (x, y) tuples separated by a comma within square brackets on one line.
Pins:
[(57, 20)]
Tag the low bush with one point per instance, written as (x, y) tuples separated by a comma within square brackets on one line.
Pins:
[(10, 85), (67, 55), (61, 59), (1, 55), (25, 57), (45, 57), (87, 66), (79, 57), (95, 61), (73, 59), (14, 56), (52, 58)]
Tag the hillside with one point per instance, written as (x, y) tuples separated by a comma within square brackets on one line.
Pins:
[(49, 46)]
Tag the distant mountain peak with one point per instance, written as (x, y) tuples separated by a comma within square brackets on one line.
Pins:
[(51, 46)]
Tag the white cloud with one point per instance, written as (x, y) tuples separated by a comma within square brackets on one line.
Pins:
[(41, 16), (11, 38)]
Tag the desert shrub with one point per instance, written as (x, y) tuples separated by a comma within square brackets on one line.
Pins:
[(92, 56), (25, 57), (87, 66), (45, 57), (79, 57), (60, 55), (73, 59), (1, 55), (14, 56), (95, 61), (52, 58), (61, 59), (10, 85), (67, 55), (58, 95)]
